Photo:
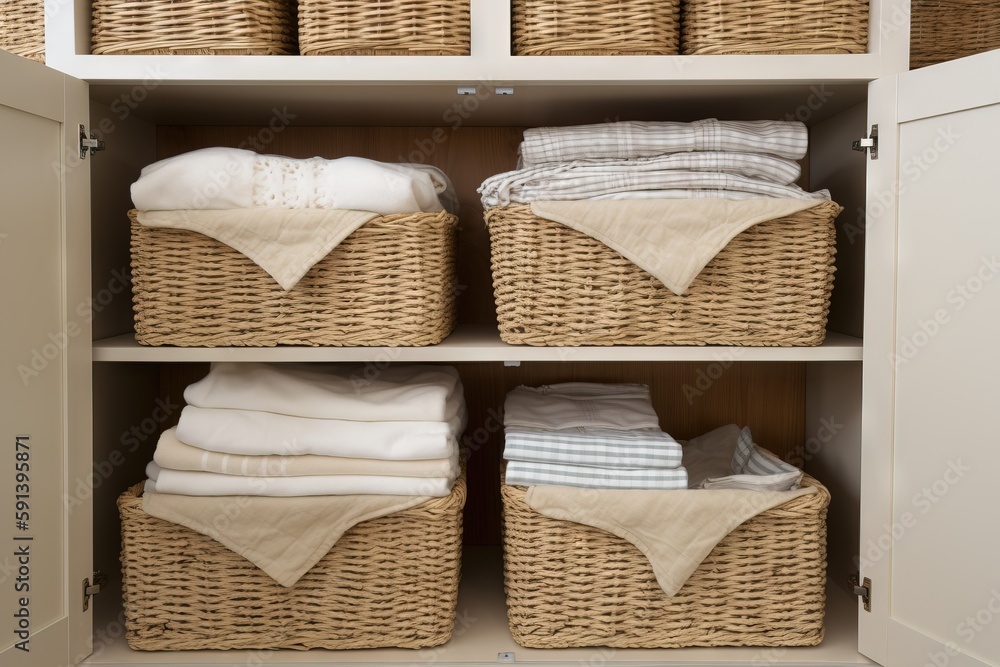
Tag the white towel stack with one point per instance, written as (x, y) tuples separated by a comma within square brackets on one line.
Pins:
[(657, 160), (295, 430), (589, 435)]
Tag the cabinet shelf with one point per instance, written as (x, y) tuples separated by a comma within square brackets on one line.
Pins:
[(481, 633), (476, 343)]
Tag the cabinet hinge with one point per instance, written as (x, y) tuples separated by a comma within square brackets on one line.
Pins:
[(869, 143), (91, 589), (507, 657), (89, 145), (862, 589)]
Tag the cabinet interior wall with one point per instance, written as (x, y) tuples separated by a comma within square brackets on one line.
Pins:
[(784, 403)]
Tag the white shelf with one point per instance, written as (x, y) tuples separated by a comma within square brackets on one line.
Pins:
[(482, 632), (476, 343)]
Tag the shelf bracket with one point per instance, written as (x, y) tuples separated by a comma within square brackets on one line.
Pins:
[(863, 589), (869, 143)]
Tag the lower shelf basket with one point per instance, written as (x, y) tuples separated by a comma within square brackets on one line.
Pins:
[(770, 286), (571, 585), (388, 582), (391, 283)]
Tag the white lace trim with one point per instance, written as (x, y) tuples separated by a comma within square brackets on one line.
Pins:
[(280, 182)]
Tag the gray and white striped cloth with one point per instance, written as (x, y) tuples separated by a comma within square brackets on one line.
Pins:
[(572, 183), (756, 469), (600, 447), (526, 473), (635, 139)]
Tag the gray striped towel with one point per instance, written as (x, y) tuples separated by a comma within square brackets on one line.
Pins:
[(526, 473), (756, 469), (600, 447), (633, 139)]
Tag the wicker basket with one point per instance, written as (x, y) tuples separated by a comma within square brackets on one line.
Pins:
[(194, 27), (22, 28), (770, 286), (391, 282), (595, 27), (774, 26), (571, 585), (390, 581), (942, 30), (384, 27)]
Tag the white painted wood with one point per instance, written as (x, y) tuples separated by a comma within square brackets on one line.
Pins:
[(46, 362), (68, 46), (965, 83), (477, 343), (481, 633), (945, 581), (909, 647), (879, 229)]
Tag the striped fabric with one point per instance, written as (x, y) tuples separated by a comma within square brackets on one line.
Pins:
[(632, 139), (755, 468), (526, 473), (603, 448), (569, 183)]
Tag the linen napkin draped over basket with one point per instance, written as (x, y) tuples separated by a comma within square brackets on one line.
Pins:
[(661, 234), (231, 248)]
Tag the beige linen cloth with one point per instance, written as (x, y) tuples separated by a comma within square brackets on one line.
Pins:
[(284, 537), (675, 530), (672, 240), (286, 243)]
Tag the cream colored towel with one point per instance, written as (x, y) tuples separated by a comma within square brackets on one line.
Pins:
[(671, 240), (676, 530), (174, 454), (286, 243), (284, 537)]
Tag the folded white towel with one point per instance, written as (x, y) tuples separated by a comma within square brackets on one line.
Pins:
[(187, 483), (357, 393), (225, 178), (174, 454), (581, 404), (254, 433)]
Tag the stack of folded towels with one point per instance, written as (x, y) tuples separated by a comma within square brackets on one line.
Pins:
[(656, 160), (292, 430), (589, 435)]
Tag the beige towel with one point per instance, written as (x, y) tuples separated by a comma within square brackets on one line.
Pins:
[(671, 240), (676, 530), (286, 243), (284, 537), (174, 454)]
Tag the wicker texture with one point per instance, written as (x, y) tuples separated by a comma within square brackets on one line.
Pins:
[(595, 27), (193, 27), (571, 585), (770, 286), (384, 27), (390, 581), (942, 30), (22, 28), (774, 26), (391, 282)]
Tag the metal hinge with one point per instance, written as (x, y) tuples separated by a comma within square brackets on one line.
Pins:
[(869, 143), (507, 657), (89, 145), (862, 589), (91, 589)]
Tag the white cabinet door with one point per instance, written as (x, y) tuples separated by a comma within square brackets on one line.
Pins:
[(931, 539), (45, 369)]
